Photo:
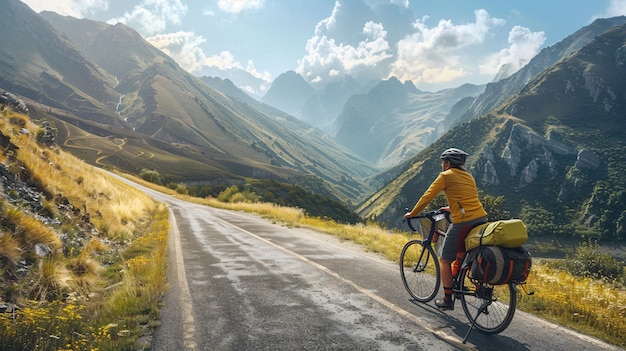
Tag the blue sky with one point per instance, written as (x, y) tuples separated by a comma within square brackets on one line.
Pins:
[(435, 44)]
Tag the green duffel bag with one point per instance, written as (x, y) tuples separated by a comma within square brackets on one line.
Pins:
[(506, 233)]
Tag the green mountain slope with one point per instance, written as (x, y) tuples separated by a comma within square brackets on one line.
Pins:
[(311, 144), (37, 62), (555, 151), (151, 101), (498, 92)]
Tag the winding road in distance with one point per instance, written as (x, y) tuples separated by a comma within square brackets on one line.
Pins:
[(240, 282)]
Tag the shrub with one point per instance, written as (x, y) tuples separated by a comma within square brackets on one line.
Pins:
[(227, 194), (587, 261), (181, 188), (244, 196), (150, 176), (494, 205)]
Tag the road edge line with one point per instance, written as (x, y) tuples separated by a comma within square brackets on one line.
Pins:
[(438, 333)]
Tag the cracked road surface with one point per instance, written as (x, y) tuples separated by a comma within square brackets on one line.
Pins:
[(241, 282)]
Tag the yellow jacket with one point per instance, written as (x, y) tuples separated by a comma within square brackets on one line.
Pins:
[(461, 194)]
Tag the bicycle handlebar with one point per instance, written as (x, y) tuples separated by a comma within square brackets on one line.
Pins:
[(430, 215)]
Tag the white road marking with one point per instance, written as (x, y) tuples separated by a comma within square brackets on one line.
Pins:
[(188, 322), (443, 335)]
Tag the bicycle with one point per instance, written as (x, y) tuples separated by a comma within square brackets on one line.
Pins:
[(489, 308)]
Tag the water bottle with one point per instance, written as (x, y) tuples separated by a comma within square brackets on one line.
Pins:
[(457, 263), (455, 267)]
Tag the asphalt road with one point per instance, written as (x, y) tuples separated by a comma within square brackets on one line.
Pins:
[(240, 282)]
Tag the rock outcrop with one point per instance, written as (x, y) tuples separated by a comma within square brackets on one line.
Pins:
[(11, 101)]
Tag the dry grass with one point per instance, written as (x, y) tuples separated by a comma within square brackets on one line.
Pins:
[(136, 300), (594, 307), (27, 230), (18, 120), (85, 268), (84, 187), (121, 264), (49, 280), (10, 251)]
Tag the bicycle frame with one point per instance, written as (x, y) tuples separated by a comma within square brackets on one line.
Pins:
[(476, 296), (435, 232)]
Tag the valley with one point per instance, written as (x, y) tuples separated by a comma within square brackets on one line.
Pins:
[(370, 145)]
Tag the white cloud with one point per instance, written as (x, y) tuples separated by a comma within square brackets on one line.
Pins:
[(327, 24), (403, 3), (184, 48), (237, 6), (524, 45), (432, 55), (615, 8), (74, 8), (327, 59), (153, 16), (396, 46), (224, 61), (265, 76)]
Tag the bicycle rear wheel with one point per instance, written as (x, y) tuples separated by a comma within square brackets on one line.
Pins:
[(498, 304), (419, 269)]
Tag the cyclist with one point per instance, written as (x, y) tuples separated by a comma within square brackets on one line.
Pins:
[(465, 210)]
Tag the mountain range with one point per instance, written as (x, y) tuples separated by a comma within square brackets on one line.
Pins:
[(555, 150), (385, 122), (394, 121), (548, 137), (498, 91), (118, 101), (352, 112)]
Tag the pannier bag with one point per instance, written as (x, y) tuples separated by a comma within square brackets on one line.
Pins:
[(441, 223), (506, 233), (499, 265)]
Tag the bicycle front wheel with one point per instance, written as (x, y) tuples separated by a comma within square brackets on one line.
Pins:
[(419, 269), (491, 308)]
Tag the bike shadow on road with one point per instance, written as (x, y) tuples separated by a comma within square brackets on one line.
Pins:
[(456, 323)]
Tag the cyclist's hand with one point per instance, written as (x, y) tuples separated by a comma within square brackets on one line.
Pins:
[(407, 216)]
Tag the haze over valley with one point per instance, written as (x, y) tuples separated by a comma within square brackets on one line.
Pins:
[(371, 144)]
